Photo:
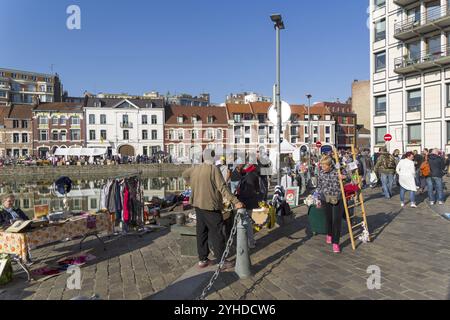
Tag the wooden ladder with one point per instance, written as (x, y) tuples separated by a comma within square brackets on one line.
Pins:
[(358, 202)]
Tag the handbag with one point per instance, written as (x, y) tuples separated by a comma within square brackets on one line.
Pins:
[(373, 177)]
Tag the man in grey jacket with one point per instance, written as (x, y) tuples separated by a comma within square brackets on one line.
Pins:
[(434, 181)]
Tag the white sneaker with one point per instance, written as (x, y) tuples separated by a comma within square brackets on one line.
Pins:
[(431, 203), (441, 203), (413, 205), (402, 204)]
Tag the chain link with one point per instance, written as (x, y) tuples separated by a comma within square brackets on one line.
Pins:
[(222, 261)]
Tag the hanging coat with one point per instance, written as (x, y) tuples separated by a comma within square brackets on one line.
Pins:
[(126, 206)]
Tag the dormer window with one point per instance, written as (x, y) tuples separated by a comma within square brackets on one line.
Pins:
[(210, 119), (97, 104), (180, 119), (194, 118)]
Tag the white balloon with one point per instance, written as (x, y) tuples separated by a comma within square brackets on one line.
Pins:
[(285, 113)]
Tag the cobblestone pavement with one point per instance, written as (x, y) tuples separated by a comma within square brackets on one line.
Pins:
[(411, 247), (130, 268)]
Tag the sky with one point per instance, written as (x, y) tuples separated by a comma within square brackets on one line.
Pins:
[(191, 46)]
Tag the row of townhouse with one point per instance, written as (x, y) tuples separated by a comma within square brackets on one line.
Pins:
[(149, 127)]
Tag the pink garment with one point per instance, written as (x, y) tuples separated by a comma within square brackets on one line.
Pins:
[(126, 212)]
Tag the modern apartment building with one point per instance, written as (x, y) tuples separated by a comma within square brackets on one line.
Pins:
[(410, 73), (57, 125), (246, 97), (125, 126), (203, 100), (190, 130), (24, 87)]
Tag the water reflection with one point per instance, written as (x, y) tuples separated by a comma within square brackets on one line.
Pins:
[(85, 194)]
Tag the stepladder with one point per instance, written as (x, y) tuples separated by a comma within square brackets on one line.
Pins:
[(353, 198)]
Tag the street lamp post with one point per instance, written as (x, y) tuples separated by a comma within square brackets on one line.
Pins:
[(309, 129), (279, 25)]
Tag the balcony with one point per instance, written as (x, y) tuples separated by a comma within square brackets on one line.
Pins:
[(126, 125), (433, 19), (404, 3), (427, 60)]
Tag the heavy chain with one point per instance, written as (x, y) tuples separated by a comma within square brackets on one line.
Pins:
[(222, 261)]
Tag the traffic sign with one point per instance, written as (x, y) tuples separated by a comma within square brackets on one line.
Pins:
[(318, 144), (387, 137)]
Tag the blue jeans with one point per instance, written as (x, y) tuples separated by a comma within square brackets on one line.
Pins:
[(435, 183), (387, 180), (233, 186), (412, 195)]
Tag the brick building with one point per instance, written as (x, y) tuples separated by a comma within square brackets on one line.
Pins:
[(57, 125), (189, 130), (16, 130)]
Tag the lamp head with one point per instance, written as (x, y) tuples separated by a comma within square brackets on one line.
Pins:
[(278, 20)]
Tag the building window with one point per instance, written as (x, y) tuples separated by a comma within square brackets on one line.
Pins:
[(144, 135), (94, 204), (219, 134), (55, 136), (414, 51), (194, 134), (210, 119), (92, 119), (433, 46), (209, 134), (125, 119), (380, 106), (171, 134), (91, 134), (144, 119), (327, 140), (43, 120), (16, 153), (43, 135), (126, 135), (145, 153), (448, 132), (154, 134), (194, 119), (103, 119), (237, 117), (316, 129), (180, 119), (26, 202), (24, 137), (247, 140), (380, 61), (15, 124), (63, 120), (24, 124), (261, 118), (247, 130), (180, 134), (414, 100), (75, 135), (154, 119), (55, 121), (380, 30), (414, 134), (64, 136), (103, 134), (379, 4), (379, 135), (433, 10), (16, 138), (327, 130)]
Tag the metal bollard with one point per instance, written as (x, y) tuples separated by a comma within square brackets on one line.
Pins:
[(243, 263)]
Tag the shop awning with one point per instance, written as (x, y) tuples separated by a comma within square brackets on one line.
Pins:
[(78, 152)]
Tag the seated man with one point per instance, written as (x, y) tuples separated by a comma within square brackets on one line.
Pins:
[(8, 214)]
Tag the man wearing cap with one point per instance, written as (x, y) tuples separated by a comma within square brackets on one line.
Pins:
[(208, 191)]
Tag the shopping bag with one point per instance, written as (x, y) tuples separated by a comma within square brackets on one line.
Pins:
[(373, 177)]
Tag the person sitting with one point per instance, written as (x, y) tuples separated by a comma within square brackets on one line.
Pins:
[(9, 214)]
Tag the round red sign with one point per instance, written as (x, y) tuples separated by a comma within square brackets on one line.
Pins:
[(318, 144), (387, 137)]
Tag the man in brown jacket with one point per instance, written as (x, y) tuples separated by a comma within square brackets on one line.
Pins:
[(208, 191)]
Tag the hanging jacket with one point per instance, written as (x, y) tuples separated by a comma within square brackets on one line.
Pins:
[(126, 199)]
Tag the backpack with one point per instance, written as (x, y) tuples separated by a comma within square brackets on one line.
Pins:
[(425, 169)]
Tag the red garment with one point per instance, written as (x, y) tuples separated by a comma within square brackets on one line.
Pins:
[(250, 169), (126, 212), (350, 189)]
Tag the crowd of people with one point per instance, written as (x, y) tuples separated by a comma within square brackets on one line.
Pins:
[(84, 160)]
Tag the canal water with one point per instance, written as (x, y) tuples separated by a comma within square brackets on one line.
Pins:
[(85, 193)]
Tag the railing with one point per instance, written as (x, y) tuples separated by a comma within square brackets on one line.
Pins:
[(429, 55), (126, 125), (427, 17)]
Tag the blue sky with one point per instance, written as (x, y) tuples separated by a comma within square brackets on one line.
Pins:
[(191, 46)]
